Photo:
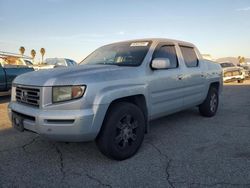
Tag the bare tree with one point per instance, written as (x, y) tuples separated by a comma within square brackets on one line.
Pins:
[(241, 59)]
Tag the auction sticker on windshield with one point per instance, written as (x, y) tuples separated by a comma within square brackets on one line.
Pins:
[(139, 44)]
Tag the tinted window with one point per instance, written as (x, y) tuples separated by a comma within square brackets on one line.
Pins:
[(68, 63), (167, 52), (71, 62), (189, 56)]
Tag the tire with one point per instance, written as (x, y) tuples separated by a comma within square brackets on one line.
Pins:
[(209, 107), (240, 81), (122, 132)]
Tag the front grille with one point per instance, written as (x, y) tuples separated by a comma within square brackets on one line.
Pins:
[(27, 95), (232, 73)]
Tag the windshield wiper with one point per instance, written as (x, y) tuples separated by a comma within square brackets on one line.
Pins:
[(107, 64)]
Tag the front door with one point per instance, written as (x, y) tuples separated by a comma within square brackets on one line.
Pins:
[(165, 86)]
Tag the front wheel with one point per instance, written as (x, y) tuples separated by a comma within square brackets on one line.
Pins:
[(122, 132), (209, 107)]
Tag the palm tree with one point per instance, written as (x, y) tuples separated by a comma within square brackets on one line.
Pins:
[(22, 50), (42, 51), (242, 60), (33, 54)]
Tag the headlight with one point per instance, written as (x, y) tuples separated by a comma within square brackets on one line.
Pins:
[(66, 93)]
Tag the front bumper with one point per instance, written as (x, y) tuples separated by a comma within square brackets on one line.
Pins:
[(60, 125), (233, 78)]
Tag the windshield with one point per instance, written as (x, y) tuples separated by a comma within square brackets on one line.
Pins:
[(224, 65), (122, 54)]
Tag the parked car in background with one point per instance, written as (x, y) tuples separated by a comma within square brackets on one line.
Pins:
[(16, 59), (60, 62), (115, 92), (246, 68), (10, 67), (37, 66), (231, 72), (42, 66), (51, 63)]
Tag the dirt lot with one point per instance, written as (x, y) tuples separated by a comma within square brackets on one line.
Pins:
[(182, 150)]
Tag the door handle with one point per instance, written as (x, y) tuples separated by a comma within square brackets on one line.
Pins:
[(180, 77)]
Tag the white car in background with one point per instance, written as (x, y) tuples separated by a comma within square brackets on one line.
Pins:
[(246, 68), (231, 72), (60, 62), (51, 63)]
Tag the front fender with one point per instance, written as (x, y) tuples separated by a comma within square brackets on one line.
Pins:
[(106, 96), (109, 94)]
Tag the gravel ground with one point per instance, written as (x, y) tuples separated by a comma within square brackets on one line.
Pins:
[(181, 150)]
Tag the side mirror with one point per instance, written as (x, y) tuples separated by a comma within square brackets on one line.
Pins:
[(160, 63)]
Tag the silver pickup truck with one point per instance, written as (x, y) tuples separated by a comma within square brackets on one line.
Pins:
[(114, 93)]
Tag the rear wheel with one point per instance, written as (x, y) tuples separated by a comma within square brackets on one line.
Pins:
[(209, 107), (241, 81), (122, 131)]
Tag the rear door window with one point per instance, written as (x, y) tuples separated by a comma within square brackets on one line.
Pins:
[(189, 56)]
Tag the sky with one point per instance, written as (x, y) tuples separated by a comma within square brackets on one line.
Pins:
[(74, 28)]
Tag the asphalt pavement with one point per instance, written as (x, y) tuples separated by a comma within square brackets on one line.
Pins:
[(181, 150)]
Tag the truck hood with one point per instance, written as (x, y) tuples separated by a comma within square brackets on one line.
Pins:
[(76, 75)]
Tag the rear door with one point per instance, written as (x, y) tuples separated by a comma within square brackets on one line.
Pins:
[(194, 77), (165, 87)]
